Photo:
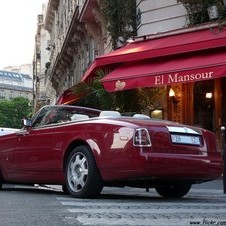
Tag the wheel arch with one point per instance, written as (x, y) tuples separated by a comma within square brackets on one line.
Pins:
[(82, 176), (75, 144)]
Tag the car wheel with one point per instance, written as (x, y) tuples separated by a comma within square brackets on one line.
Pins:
[(173, 191), (82, 176)]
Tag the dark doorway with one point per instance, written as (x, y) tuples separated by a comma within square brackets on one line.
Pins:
[(204, 104)]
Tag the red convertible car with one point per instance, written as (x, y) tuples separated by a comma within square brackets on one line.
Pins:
[(85, 149)]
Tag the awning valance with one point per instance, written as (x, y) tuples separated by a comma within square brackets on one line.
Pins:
[(167, 71)]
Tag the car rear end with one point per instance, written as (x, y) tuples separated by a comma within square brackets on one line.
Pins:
[(170, 151)]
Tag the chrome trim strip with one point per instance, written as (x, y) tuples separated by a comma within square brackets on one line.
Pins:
[(175, 129)]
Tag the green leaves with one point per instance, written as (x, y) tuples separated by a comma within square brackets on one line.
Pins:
[(12, 111), (198, 10), (121, 18), (94, 95)]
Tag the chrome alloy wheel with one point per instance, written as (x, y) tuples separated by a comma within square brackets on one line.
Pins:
[(82, 177), (77, 173)]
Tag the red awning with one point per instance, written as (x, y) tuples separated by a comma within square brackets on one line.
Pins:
[(167, 71), (67, 97), (165, 66), (159, 47)]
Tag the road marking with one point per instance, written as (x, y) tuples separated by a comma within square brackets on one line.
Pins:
[(200, 206), (137, 204)]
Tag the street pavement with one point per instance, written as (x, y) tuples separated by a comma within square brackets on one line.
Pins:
[(205, 204)]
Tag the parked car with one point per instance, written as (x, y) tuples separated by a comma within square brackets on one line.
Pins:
[(4, 130), (85, 149)]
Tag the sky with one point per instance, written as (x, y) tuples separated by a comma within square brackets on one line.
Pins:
[(18, 25)]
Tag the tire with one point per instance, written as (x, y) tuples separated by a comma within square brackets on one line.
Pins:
[(82, 176), (173, 191), (0, 181), (64, 189)]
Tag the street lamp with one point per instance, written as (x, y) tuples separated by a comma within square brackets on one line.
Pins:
[(174, 100)]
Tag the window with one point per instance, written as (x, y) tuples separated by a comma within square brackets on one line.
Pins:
[(2, 94), (11, 95)]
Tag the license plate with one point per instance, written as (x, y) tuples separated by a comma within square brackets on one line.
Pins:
[(184, 139)]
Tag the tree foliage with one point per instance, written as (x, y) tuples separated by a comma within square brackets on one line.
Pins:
[(92, 94), (198, 10), (121, 18), (12, 111)]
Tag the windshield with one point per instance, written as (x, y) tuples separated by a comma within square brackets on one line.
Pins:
[(63, 113)]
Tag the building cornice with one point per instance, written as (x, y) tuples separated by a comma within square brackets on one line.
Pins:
[(63, 58), (50, 14)]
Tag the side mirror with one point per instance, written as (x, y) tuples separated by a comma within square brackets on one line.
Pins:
[(26, 122)]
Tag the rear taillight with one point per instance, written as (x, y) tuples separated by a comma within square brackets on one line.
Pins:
[(141, 138)]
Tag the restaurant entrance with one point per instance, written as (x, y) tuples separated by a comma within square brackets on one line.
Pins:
[(204, 106), (209, 106)]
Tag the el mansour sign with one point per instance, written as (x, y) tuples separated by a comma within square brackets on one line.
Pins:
[(176, 78), (165, 79)]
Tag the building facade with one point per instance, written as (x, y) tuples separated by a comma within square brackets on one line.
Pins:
[(77, 35), (24, 69), (44, 92), (169, 37), (14, 84)]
